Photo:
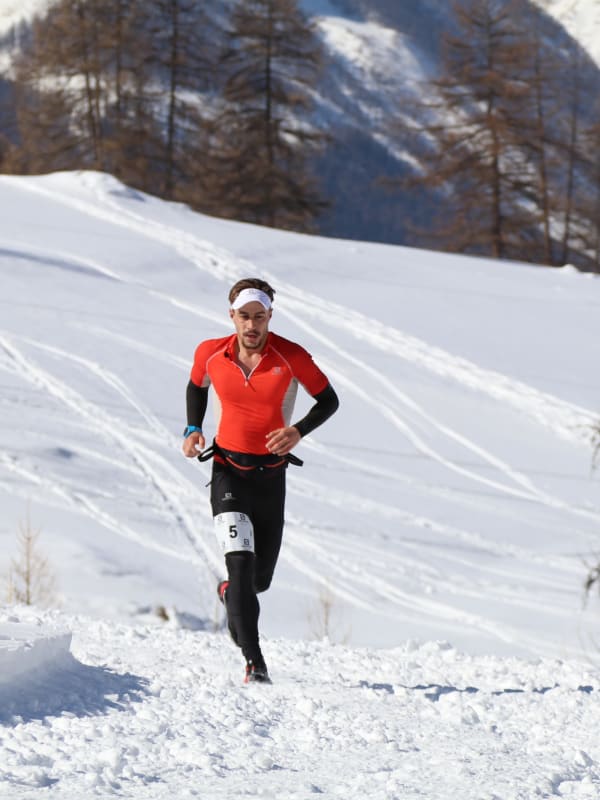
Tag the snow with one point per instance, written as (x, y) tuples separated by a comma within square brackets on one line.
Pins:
[(167, 717), (27, 647), (13, 12), (372, 70), (448, 512), (581, 18)]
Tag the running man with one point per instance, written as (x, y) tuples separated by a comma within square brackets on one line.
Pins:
[(255, 375)]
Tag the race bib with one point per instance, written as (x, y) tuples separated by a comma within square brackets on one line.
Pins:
[(234, 532)]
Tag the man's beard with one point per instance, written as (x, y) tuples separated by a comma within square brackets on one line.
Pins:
[(252, 342)]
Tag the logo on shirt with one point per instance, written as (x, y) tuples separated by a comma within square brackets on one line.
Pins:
[(228, 496), (277, 371)]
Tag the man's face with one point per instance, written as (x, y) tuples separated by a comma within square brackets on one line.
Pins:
[(251, 324)]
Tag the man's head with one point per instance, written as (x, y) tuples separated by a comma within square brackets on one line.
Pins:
[(250, 283), (250, 309)]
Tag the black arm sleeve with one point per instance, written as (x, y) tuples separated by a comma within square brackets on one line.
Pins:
[(196, 400), (326, 405)]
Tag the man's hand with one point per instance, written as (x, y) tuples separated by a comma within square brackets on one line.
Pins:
[(193, 444), (281, 441)]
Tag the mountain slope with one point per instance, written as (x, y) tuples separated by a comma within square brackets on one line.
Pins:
[(449, 498), (377, 56)]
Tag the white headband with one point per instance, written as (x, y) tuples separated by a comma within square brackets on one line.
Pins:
[(252, 296)]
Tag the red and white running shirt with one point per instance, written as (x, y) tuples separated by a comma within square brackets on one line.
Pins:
[(250, 407)]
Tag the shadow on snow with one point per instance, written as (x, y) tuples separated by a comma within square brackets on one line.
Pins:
[(434, 691), (70, 689)]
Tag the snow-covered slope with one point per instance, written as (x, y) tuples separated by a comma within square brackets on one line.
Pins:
[(446, 513), (450, 498)]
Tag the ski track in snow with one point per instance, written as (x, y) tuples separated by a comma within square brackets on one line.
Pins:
[(472, 542), (134, 344), (367, 577), (391, 413), (567, 420), (174, 491), (58, 495), (546, 409), (564, 419)]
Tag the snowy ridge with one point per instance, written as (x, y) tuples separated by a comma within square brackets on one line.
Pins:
[(157, 712)]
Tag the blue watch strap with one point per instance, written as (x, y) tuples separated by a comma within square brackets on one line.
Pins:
[(191, 429)]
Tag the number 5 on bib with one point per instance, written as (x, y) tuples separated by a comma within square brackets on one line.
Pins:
[(234, 532)]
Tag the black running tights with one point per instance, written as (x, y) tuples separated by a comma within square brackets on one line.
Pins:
[(260, 494)]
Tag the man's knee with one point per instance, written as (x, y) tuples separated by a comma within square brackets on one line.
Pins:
[(261, 584), (263, 575), (244, 570), (240, 566)]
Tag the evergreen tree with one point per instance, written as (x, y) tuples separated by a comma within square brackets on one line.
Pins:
[(539, 114), (573, 87), (114, 85), (183, 45), (549, 122), (69, 80), (473, 136), (133, 135), (588, 195), (488, 142), (259, 147)]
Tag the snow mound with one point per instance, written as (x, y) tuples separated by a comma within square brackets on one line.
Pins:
[(27, 647)]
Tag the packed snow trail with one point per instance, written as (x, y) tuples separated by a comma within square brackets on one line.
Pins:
[(156, 712)]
